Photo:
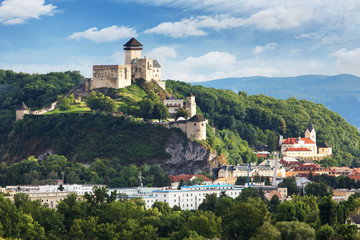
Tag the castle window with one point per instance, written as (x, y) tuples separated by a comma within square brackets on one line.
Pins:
[(194, 124), (202, 124)]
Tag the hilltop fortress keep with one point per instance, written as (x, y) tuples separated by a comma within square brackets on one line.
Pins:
[(120, 76), (306, 148)]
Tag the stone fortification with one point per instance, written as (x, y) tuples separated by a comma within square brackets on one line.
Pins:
[(120, 76)]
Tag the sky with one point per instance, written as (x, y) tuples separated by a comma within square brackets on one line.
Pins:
[(193, 40)]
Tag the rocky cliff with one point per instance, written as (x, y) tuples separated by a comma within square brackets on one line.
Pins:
[(188, 157)]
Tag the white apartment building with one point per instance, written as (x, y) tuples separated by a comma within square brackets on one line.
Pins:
[(190, 197)]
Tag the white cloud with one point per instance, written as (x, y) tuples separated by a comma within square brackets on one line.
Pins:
[(216, 65), (119, 57), (182, 29), (347, 61), (259, 49), (109, 34), (162, 53), (271, 19), (280, 18), (19, 11)]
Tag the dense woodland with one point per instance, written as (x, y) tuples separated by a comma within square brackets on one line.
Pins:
[(258, 119), (240, 120), (36, 90), (249, 216), (112, 173)]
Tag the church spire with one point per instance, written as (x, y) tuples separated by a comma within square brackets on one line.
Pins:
[(310, 126)]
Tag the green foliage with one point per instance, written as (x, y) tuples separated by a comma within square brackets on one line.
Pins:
[(295, 230), (267, 232), (259, 119), (65, 102), (290, 184), (113, 173), (84, 138), (181, 112), (100, 102), (318, 189), (325, 232)]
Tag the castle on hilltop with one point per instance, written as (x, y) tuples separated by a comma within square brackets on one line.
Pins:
[(120, 76), (306, 148)]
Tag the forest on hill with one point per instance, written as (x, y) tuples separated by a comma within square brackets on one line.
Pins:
[(240, 120), (259, 119), (339, 93)]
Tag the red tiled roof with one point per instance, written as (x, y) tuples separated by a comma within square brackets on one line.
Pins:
[(295, 141), (185, 178), (355, 177), (297, 150), (262, 155)]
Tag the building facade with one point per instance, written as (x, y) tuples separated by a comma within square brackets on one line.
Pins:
[(120, 76), (306, 148)]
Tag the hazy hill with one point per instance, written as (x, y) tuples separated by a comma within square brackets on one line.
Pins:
[(340, 93)]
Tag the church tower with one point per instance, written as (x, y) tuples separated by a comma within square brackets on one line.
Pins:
[(310, 132), (191, 105), (132, 50)]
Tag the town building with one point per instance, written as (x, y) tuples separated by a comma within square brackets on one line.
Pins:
[(50, 194), (306, 148), (176, 179), (190, 197), (264, 169), (173, 104), (120, 76)]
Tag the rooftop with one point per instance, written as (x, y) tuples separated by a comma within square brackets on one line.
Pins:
[(197, 118), (133, 43)]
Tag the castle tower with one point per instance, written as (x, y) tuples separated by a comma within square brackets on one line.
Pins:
[(196, 127), (191, 105), (132, 50), (23, 109), (310, 132)]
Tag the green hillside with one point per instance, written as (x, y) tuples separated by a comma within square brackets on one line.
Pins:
[(258, 119), (240, 120)]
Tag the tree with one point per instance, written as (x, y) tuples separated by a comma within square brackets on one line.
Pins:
[(160, 111), (328, 213), (325, 232), (290, 184), (267, 232), (242, 223), (99, 102), (181, 112), (163, 207), (61, 187), (146, 108), (318, 189), (241, 181), (274, 203), (295, 230)]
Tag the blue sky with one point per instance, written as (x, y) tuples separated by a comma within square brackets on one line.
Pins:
[(193, 40)]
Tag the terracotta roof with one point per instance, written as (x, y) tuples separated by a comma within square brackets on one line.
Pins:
[(355, 177), (310, 126), (297, 150), (295, 141), (197, 118), (185, 178), (262, 155), (133, 43)]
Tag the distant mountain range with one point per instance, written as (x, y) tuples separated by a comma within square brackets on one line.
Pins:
[(339, 93)]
